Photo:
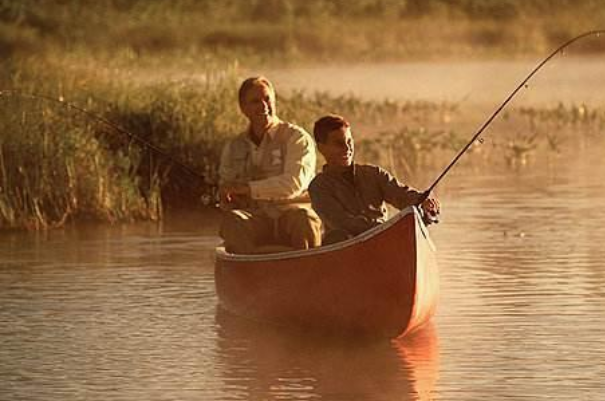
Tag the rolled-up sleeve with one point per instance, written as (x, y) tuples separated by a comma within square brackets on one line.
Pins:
[(299, 170)]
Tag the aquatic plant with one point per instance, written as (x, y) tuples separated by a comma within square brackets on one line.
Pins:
[(57, 163), (54, 169)]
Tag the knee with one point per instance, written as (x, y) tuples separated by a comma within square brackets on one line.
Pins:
[(306, 230), (306, 217), (233, 221), (236, 232)]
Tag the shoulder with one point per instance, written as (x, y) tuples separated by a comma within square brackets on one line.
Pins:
[(318, 182), (294, 131), (238, 140), (372, 173), (369, 169), (236, 146)]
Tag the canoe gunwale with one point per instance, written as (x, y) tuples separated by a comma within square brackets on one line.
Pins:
[(365, 236)]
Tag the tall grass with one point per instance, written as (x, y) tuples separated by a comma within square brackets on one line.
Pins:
[(298, 30), (57, 163), (52, 168)]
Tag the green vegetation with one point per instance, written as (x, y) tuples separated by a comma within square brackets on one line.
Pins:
[(298, 30), (519, 136), (166, 72), (57, 162)]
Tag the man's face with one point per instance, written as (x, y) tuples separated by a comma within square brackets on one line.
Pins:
[(338, 148), (258, 105)]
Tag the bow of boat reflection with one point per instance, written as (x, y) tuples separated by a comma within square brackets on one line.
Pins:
[(267, 362)]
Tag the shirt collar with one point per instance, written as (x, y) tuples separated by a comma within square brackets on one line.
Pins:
[(339, 170), (271, 132)]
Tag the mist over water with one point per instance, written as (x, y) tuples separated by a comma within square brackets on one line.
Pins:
[(566, 79)]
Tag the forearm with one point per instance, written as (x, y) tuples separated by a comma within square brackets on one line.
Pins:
[(398, 194), (403, 198)]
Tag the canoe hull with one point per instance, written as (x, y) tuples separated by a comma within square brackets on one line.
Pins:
[(383, 283)]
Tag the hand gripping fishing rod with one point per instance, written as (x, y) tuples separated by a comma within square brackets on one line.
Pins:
[(508, 99), (70, 106)]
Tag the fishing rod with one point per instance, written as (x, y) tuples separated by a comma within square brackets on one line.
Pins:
[(506, 101), (71, 106)]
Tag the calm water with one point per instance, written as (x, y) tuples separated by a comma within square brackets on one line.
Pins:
[(129, 313), (470, 84)]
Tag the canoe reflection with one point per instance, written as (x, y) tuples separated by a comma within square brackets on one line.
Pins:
[(261, 362)]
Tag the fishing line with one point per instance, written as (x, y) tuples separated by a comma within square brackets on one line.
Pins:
[(508, 99), (71, 106)]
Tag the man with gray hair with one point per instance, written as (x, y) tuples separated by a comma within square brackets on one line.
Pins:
[(264, 174)]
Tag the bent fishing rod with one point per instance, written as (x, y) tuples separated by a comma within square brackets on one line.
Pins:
[(506, 101), (71, 106)]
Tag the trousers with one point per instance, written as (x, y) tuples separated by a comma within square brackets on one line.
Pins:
[(254, 232)]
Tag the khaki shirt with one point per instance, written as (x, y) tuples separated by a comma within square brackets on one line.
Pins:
[(278, 171), (353, 199)]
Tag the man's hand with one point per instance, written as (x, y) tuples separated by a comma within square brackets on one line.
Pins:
[(233, 195)]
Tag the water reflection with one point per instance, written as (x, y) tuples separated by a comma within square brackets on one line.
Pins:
[(265, 363)]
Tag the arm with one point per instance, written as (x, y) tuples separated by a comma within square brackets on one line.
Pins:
[(402, 196), (332, 212), (396, 193), (299, 170)]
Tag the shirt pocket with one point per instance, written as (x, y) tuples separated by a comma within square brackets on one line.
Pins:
[(276, 157), (239, 161)]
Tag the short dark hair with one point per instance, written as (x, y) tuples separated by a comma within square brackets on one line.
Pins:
[(251, 82), (327, 124)]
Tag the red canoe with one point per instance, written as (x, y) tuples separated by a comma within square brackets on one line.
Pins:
[(382, 283)]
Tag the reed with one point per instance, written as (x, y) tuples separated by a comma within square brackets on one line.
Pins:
[(523, 134), (59, 164), (298, 30)]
